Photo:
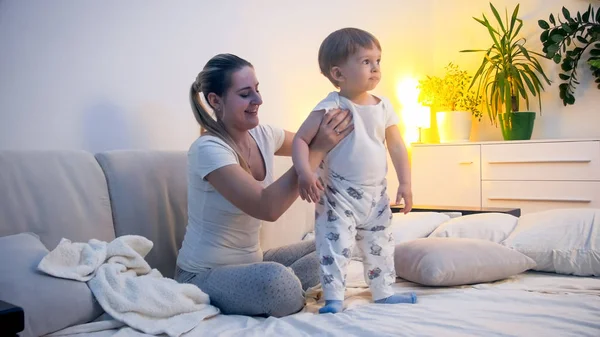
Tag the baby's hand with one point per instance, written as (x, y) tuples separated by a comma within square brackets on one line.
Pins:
[(405, 192), (310, 187)]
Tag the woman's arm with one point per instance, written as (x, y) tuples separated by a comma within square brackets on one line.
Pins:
[(269, 203)]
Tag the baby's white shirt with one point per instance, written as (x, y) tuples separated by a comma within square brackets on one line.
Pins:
[(361, 157)]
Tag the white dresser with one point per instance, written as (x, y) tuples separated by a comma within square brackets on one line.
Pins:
[(532, 175)]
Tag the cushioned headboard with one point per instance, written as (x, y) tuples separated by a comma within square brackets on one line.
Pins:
[(148, 191), (54, 194)]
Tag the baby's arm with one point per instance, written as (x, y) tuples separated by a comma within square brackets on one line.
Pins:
[(399, 155), (302, 139)]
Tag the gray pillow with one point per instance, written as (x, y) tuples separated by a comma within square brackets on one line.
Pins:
[(457, 261), (50, 303)]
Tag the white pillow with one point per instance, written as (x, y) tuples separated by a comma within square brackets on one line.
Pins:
[(415, 225), (457, 261), (485, 226), (564, 241)]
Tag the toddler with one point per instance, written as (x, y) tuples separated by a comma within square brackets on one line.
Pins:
[(352, 206)]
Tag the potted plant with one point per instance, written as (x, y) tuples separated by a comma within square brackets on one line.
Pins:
[(453, 102), (508, 73), (567, 41)]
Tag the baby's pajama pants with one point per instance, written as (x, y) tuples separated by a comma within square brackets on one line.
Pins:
[(348, 214)]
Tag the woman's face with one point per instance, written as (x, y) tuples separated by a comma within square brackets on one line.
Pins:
[(241, 101)]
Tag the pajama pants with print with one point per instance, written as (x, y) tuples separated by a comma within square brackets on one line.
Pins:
[(350, 216)]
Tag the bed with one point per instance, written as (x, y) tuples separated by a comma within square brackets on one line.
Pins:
[(558, 295), (528, 304)]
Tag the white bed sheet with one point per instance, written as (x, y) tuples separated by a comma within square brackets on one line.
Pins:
[(529, 304)]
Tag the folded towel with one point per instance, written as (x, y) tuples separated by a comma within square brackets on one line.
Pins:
[(127, 288)]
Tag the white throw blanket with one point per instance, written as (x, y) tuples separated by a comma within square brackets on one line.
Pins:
[(127, 288)]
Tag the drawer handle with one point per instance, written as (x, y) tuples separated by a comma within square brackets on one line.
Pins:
[(549, 161), (465, 163), (572, 200)]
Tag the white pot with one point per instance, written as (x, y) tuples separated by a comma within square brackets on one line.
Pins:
[(453, 126)]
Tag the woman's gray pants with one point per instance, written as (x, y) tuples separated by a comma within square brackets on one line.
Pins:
[(266, 288)]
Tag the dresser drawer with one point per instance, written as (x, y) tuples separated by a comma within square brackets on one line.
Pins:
[(541, 161), (446, 175), (534, 196)]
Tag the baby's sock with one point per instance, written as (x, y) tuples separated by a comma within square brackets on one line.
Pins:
[(333, 306), (399, 298)]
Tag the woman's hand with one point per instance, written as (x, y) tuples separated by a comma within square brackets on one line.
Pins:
[(335, 126)]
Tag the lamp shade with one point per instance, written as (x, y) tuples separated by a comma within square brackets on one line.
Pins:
[(423, 117)]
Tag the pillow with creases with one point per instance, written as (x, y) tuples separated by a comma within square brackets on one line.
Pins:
[(457, 261), (562, 241)]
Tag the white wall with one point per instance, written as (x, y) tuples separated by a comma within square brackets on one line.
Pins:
[(102, 75)]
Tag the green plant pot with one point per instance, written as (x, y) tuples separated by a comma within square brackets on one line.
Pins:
[(517, 125)]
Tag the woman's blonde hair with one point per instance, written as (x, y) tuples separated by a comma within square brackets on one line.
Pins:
[(216, 77)]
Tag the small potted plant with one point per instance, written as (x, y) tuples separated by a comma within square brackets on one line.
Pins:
[(509, 72), (453, 102), (566, 41)]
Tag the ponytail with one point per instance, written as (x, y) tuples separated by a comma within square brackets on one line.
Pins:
[(210, 125)]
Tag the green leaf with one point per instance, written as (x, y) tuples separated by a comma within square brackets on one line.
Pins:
[(565, 26), (480, 21), (497, 17), (585, 17), (563, 77), (594, 63), (529, 83), (551, 18), (567, 65), (543, 24), (491, 31), (595, 52), (513, 19), (556, 38), (544, 36), (566, 13), (552, 49), (582, 39), (556, 58)]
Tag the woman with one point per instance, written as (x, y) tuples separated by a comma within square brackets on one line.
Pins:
[(231, 190)]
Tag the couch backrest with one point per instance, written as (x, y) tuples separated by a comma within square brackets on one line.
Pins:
[(54, 194), (148, 191)]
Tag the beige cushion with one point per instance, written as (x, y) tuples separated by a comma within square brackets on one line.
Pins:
[(54, 194), (49, 303), (485, 226), (148, 193), (457, 261), (563, 241)]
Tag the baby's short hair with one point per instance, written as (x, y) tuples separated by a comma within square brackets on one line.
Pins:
[(339, 45)]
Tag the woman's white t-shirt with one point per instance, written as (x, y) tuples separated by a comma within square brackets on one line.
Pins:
[(218, 233)]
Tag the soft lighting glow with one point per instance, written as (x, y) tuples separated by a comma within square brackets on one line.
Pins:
[(407, 91), (414, 115)]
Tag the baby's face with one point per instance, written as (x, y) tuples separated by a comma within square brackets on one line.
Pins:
[(361, 71)]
